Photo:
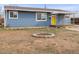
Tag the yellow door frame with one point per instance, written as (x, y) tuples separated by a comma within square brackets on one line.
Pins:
[(53, 20)]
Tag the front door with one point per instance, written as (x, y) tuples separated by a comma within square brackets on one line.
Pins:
[(53, 20)]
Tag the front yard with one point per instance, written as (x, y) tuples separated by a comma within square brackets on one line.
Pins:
[(21, 41)]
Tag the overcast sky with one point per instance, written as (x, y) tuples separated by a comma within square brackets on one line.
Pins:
[(70, 7)]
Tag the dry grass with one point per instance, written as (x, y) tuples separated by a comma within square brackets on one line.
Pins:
[(21, 41)]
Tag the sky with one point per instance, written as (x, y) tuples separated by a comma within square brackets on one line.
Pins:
[(69, 7)]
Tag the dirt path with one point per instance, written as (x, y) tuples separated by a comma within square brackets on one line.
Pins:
[(21, 41)]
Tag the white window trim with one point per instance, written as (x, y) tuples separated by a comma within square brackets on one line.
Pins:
[(13, 17), (37, 19)]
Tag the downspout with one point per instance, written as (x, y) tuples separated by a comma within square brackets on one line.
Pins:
[(4, 18), (73, 19), (63, 20)]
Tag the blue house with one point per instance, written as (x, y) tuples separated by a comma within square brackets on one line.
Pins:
[(16, 16)]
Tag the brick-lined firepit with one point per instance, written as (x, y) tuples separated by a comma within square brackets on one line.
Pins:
[(43, 35)]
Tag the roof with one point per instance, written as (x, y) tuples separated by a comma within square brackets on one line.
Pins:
[(29, 8), (53, 11)]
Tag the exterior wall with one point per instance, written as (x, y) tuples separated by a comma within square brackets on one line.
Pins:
[(25, 19), (28, 19), (59, 19), (63, 21), (67, 21)]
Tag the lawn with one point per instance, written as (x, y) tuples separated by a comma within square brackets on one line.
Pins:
[(21, 41)]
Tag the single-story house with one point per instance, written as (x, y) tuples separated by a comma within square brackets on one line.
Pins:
[(15, 16)]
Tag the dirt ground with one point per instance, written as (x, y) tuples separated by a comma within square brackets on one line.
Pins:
[(21, 41)]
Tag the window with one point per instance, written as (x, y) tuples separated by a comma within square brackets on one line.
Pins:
[(13, 15), (41, 16)]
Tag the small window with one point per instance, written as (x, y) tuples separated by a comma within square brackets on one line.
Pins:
[(13, 15), (41, 16)]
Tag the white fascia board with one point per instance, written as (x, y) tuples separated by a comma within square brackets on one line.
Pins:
[(61, 12), (30, 10)]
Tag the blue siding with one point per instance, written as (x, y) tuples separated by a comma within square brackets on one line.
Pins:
[(61, 20), (26, 19), (67, 21)]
